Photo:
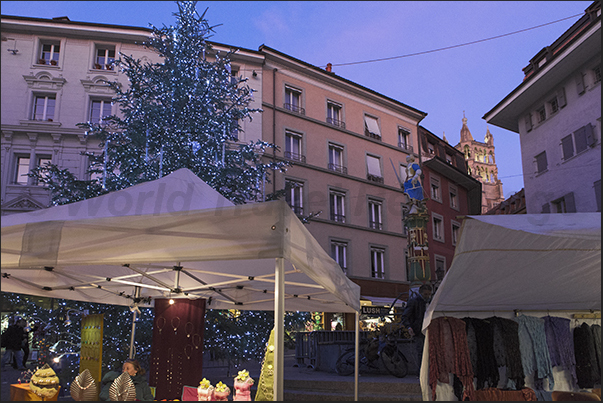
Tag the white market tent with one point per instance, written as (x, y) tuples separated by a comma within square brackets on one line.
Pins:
[(527, 262), (175, 237)]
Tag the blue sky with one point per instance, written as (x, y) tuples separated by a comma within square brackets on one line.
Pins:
[(468, 79)]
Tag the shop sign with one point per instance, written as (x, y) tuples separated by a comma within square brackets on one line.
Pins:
[(374, 310)]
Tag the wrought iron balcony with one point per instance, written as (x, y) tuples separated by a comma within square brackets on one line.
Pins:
[(295, 156), (298, 210), (372, 135), (375, 225), (295, 108), (374, 178), (405, 146), (338, 168), (338, 217), (336, 122)]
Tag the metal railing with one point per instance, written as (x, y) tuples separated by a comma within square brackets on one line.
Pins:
[(374, 178), (294, 108), (405, 146), (338, 217), (336, 122), (295, 156), (337, 168)]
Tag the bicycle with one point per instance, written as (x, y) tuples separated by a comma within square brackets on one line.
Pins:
[(372, 352)]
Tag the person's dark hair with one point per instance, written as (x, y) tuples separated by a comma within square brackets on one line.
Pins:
[(425, 287), (137, 367)]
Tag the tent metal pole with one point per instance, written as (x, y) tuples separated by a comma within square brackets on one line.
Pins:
[(356, 354), (133, 332), (279, 328)]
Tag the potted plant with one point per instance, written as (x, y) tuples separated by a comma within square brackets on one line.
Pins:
[(97, 66), (109, 66), (41, 61), (53, 62)]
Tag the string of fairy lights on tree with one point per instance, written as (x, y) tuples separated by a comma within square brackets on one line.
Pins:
[(185, 111)]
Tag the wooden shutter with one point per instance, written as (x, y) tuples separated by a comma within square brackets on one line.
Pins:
[(529, 122), (561, 97), (570, 203), (580, 84)]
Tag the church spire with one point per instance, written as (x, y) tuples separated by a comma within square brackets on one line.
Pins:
[(488, 139), (465, 133)]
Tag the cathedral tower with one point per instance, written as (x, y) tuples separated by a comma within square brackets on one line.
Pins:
[(481, 163)]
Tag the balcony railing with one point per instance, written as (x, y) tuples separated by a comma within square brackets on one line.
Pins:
[(338, 168), (372, 135), (376, 225), (298, 210), (336, 122), (295, 156), (295, 108), (405, 146), (374, 178), (338, 217)]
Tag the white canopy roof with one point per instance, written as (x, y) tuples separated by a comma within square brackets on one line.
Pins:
[(523, 262), (96, 250)]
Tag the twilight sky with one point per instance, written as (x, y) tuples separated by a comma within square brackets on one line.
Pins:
[(469, 79)]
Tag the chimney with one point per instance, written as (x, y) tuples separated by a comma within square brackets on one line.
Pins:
[(329, 67)]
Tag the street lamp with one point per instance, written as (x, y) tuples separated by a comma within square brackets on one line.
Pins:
[(68, 320)]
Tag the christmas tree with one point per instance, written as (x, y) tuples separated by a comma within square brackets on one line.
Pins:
[(266, 383), (184, 112)]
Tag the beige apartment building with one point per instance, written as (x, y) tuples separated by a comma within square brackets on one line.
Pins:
[(348, 144)]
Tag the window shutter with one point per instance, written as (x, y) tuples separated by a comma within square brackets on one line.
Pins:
[(528, 122), (567, 146), (580, 139), (570, 203), (590, 135), (561, 97), (546, 208), (580, 84)]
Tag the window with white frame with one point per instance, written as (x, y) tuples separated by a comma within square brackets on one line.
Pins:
[(377, 262), (554, 105), (371, 127), (334, 114), (49, 52), (454, 199), (436, 194), (337, 205), (336, 158), (438, 227), (104, 57), (293, 146), (373, 167), (541, 162), (99, 109), (375, 219), (293, 100), (456, 232), (44, 106), (404, 138), (541, 114), (339, 251), (295, 195), (23, 168)]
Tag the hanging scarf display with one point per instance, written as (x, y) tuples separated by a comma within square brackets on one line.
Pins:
[(449, 353), (561, 344), (487, 370), (586, 360), (506, 349), (535, 356)]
